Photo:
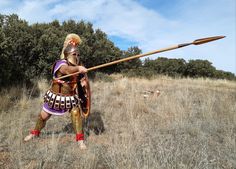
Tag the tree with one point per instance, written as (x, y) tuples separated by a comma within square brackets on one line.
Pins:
[(29, 51), (133, 64), (200, 68), (16, 45), (220, 74), (97, 49), (161, 65)]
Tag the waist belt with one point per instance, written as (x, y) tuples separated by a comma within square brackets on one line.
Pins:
[(60, 102)]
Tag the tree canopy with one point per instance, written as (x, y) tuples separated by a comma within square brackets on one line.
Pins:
[(29, 51)]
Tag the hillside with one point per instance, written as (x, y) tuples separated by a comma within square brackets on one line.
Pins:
[(191, 124)]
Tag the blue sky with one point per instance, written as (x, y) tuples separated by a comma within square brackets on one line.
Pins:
[(148, 24)]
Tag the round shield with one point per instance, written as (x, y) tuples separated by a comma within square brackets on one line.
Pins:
[(84, 94)]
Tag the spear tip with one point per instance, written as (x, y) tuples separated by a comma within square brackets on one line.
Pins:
[(206, 40)]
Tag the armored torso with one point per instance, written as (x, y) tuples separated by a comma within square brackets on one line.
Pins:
[(62, 93), (66, 86)]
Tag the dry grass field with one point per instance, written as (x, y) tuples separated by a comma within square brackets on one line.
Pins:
[(190, 125)]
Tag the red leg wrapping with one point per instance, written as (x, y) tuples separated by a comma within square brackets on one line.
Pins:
[(79, 136), (35, 132)]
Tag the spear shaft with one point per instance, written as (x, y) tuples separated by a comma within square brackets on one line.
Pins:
[(195, 42)]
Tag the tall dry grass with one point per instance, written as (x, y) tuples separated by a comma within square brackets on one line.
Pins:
[(191, 124)]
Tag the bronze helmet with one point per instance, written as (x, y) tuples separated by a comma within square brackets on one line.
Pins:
[(71, 38), (71, 54)]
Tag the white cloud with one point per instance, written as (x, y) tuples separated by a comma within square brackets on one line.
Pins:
[(36, 11)]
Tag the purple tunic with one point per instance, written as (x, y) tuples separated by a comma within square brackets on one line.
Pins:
[(45, 105)]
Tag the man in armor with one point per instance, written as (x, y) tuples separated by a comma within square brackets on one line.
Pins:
[(62, 96)]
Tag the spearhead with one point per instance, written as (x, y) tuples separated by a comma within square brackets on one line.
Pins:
[(206, 40)]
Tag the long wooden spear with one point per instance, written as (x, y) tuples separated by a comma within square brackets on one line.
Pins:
[(195, 42)]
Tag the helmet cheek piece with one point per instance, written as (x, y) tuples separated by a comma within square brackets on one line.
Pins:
[(72, 59)]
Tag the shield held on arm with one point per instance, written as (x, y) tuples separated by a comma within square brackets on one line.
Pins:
[(84, 94)]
